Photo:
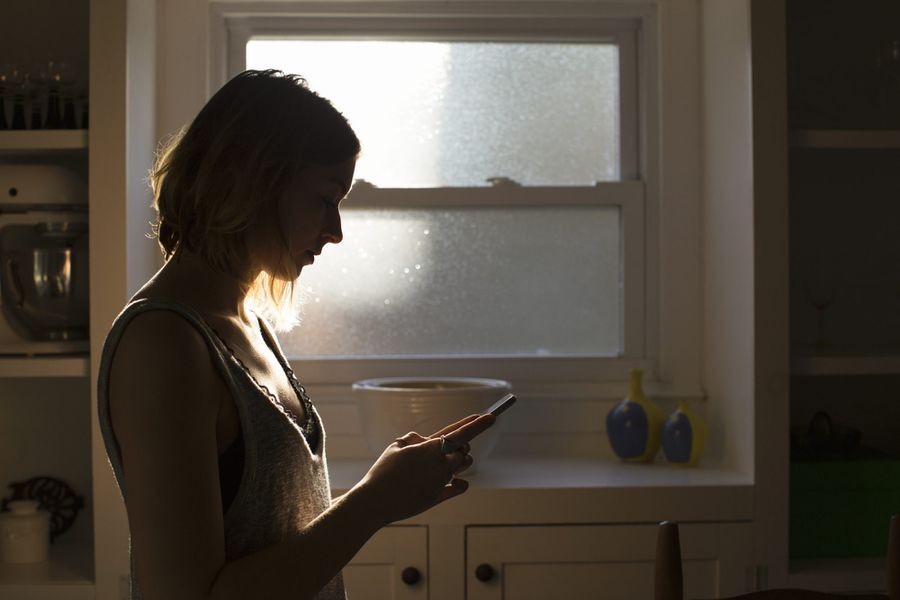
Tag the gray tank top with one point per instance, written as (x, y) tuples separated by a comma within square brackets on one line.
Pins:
[(284, 484)]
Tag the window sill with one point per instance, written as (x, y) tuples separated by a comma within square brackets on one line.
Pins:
[(519, 484)]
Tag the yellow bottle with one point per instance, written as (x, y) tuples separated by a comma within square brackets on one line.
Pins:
[(633, 425), (683, 437)]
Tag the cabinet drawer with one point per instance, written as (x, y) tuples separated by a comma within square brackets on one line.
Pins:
[(590, 561), (376, 572)]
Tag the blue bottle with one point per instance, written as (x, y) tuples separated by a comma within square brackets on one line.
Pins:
[(633, 425), (683, 437)]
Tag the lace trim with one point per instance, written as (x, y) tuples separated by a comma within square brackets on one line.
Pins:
[(307, 428)]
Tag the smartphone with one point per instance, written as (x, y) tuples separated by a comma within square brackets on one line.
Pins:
[(501, 405)]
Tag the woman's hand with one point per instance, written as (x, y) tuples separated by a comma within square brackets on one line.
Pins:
[(413, 474)]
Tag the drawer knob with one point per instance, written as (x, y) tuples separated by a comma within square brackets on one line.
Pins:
[(410, 576), (484, 572)]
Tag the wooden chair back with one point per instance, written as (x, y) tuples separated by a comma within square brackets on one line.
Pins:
[(669, 584)]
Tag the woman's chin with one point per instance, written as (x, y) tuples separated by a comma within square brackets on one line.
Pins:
[(288, 268), (286, 272)]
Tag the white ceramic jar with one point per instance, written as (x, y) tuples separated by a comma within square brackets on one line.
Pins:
[(24, 533)]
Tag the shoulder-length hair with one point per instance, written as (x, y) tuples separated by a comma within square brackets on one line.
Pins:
[(213, 179)]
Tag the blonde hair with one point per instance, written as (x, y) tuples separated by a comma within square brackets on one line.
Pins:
[(215, 178)]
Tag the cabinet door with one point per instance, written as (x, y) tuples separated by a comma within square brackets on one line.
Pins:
[(600, 561), (377, 570)]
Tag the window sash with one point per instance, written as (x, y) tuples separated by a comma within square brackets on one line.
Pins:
[(622, 32), (627, 195)]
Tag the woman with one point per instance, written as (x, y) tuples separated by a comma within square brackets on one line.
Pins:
[(215, 445)]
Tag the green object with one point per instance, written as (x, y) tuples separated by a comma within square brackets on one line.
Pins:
[(842, 508)]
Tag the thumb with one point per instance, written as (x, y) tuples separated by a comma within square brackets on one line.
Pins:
[(456, 487)]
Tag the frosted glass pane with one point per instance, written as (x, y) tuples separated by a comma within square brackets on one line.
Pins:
[(524, 281), (435, 114)]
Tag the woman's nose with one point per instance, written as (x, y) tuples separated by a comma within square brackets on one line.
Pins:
[(333, 232)]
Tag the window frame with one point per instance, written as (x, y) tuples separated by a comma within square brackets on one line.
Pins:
[(632, 27)]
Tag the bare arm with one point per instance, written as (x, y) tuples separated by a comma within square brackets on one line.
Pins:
[(164, 397), (407, 479), (301, 565)]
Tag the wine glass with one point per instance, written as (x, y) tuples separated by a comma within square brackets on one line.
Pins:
[(820, 287), (17, 84)]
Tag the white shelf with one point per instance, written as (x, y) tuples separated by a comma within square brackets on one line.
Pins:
[(44, 366), (839, 575), (887, 364), (67, 575), (845, 138), (41, 141)]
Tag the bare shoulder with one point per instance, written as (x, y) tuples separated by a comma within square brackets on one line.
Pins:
[(161, 366), (160, 353)]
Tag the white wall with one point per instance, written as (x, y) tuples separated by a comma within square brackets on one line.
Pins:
[(745, 255), (143, 258), (771, 274), (727, 228), (182, 63), (121, 143)]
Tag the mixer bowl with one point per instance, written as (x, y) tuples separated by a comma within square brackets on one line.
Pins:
[(39, 295), (390, 407)]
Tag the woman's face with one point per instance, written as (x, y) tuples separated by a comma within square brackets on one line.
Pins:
[(307, 217)]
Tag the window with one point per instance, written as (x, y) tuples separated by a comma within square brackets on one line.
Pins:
[(499, 211)]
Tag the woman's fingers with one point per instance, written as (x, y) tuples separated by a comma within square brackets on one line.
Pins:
[(410, 438), (454, 426), (464, 463), (468, 431), (457, 461), (421, 471)]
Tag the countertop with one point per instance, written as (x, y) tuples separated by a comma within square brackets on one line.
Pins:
[(517, 485)]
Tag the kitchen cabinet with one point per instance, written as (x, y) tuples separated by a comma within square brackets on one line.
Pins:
[(844, 223), (393, 565), (536, 562), (826, 224), (560, 526), (589, 561)]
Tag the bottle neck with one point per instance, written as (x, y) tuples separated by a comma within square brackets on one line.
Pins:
[(635, 388)]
